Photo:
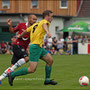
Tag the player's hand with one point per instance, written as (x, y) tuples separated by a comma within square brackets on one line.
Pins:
[(49, 35), (18, 36), (9, 22)]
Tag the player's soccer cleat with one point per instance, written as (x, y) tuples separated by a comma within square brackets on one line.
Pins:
[(50, 83), (9, 70), (10, 79)]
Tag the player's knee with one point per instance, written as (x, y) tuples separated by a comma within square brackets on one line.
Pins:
[(26, 59), (31, 70), (50, 62)]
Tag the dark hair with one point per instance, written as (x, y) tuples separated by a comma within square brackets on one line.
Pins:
[(47, 12)]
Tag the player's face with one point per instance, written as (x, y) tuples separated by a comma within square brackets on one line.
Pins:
[(50, 17), (32, 19)]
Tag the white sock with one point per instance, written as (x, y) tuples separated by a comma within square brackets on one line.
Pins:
[(18, 64), (4, 75)]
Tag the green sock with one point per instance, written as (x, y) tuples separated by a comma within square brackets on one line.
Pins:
[(20, 72), (48, 73)]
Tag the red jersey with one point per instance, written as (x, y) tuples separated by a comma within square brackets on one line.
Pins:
[(25, 40), (3, 45)]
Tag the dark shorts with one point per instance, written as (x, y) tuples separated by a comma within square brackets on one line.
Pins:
[(19, 52)]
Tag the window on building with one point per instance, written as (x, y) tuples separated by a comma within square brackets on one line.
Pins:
[(63, 4), (34, 3), (6, 4), (2, 11)]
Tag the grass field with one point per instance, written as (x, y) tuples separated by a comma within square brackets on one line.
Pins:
[(66, 71)]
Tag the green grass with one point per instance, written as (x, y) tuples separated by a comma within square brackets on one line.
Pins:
[(66, 71)]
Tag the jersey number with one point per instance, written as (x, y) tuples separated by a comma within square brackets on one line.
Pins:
[(35, 27)]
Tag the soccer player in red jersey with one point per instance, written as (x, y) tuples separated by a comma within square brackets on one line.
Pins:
[(20, 55)]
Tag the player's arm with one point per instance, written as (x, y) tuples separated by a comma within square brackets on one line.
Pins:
[(45, 27), (9, 22), (22, 34)]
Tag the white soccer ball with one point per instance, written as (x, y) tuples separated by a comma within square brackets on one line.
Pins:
[(84, 81)]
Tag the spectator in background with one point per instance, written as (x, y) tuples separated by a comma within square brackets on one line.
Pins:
[(60, 51), (60, 44), (80, 40), (62, 40), (85, 39), (49, 43), (48, 50), (45, 44), (7, 48), (3, 47), (75, 45), (65, 43), (69, 44), (77, 37), (53, 51), (54, 43), (68, 52)]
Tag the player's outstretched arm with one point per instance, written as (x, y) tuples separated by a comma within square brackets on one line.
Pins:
[(45, 27), (9, 22), (22, 34)]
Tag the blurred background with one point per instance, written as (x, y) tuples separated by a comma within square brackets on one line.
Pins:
[(66, 13)]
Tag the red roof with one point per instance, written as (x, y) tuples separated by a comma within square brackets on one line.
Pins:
[(85, 9)]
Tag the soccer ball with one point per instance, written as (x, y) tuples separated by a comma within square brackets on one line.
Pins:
[(84, 81)]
